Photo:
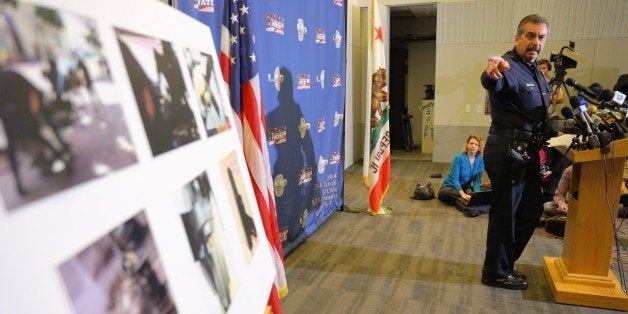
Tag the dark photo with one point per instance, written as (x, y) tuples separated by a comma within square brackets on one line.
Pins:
[(202, 71), (61, 120), (159, 89), (240, 206), (204, 231), (119, 273)]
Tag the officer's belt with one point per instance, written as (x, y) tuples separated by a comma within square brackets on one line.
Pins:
[(515, 134)]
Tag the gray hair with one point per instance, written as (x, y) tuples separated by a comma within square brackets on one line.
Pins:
[(532, 18)]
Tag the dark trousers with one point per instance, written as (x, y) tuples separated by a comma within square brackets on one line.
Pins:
[(516, 209), (448, 195)]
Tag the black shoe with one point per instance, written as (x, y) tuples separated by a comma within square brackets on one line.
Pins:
[(519, 274), (511, 282), (470, 213)]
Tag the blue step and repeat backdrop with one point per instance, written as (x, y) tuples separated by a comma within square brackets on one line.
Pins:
[(301, 59)]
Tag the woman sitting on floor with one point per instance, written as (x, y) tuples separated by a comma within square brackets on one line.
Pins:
[(465, 176)]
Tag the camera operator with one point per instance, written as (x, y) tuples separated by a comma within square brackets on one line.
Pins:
[(557, 95), (519, 96)]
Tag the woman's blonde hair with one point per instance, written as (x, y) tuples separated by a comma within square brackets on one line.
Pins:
[(477, 138)]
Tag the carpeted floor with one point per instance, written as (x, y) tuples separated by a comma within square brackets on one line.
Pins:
[(424, 258)]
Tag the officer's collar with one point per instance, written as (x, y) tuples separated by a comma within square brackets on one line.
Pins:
[(515, 56)]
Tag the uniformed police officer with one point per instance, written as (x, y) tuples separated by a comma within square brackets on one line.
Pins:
[(518, 96)]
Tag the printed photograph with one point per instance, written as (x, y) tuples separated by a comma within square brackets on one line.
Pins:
[(240, 206), (202, 68), (204, 230), (61, 122), (162, 98), (119, 273)]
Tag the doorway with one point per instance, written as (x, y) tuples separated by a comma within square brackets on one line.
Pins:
[(412, 70)]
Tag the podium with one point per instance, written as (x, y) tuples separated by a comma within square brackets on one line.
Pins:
[(582, 276), (427, 126)]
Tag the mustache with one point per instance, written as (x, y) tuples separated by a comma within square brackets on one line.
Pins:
[(535, 49)]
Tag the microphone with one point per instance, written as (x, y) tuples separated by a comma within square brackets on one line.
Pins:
[(593, 141), (604, 139), (606, 95), (579, 109), (596, 138), (592, 110), (571, 127), (609, 120), (581, 88), (596, 88), (618, 99), (566, 112)]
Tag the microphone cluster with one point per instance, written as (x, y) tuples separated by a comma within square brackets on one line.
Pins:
[(597, 116)]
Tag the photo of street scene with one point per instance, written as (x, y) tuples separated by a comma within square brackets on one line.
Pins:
[(61, 120), (202, 69), (205, 234), (159, 89), (119, 273)]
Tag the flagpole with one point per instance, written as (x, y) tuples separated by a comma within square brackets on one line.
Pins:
[(376, 166)]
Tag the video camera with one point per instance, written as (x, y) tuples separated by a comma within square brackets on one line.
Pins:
[(565, 59)]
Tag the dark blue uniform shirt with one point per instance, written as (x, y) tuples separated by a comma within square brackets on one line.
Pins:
[(518, 100)]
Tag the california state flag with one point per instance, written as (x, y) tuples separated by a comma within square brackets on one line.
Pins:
[(376, 169)]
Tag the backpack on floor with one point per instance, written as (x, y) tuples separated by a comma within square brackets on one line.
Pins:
[(423, 191)]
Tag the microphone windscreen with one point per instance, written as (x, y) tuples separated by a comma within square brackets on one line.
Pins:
[(569, 81), (596, 88), (606, 95), (592, 109), (574, 101), (593, 141), (566, 112)]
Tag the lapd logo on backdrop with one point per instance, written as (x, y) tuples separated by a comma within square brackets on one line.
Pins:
[(303, 81), (305, 175), (337, 39), (276, 78), (203, 5), (320, 36), (279, 184), (321, 79), (303, 127), (338, 3), (301, 29), (337, 117), (322, 162), (334, 158), (275, 24), (320, 125), (336, 81), (277, 135)]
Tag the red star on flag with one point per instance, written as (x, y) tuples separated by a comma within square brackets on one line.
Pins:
[(379, 34)]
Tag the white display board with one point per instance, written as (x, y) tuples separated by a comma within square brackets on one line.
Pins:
[(142, 200)]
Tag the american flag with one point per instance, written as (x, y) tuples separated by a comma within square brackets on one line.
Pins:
[(238, 64)]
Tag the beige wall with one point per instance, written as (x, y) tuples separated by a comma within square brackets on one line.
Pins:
[(469, 31), (421, 71)]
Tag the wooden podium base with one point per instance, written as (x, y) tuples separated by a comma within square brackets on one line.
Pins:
[(593, 291)]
